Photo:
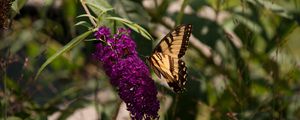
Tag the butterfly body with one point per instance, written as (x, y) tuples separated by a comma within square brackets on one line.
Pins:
[(166, 57)]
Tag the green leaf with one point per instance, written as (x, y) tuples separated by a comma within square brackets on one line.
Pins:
[(67, 47), (273, 7), (252, 25), (90, 40), (17, 6), (133, 11), (86, 15), (84, 23), (137, 28), (99, 6)]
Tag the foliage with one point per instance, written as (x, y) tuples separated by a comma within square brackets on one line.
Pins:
[(243, 59)]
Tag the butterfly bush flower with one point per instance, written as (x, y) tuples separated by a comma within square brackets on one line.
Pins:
[(127, 72)]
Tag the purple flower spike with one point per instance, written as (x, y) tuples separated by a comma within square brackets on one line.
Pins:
[(128, 73)]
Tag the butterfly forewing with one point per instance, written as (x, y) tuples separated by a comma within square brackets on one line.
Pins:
[(175, 43)]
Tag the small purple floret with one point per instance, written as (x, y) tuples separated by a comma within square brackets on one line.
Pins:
[(102, 33)]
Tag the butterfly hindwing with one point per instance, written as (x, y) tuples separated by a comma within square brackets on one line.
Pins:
[(178, 70), (176, 42), (172, 69), (165, 59)]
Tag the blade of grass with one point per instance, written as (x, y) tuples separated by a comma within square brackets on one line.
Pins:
[(67, 47)]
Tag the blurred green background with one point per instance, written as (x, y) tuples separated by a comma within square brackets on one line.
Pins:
[(243, 59)]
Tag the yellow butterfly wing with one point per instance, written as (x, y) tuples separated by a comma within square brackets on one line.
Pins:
[(165, 59), (176, 42)]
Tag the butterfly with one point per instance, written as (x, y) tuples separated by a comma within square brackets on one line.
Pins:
[(165, 59)]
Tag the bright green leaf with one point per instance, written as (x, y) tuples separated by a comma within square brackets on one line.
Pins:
[(17, 5), (84, 23), (137, 28), (99, 6), (67, 47)]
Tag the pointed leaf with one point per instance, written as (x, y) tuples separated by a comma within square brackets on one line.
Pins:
[(67, 47), (99, 6), (137, 28), (84, 23)]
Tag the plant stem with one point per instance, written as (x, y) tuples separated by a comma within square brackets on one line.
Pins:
[(83, 3)]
